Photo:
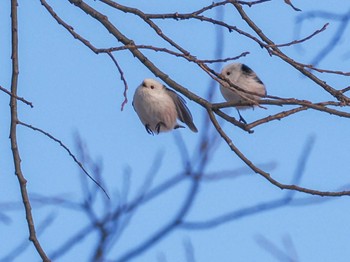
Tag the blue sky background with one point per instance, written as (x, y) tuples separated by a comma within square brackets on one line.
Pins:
[(75, 91)]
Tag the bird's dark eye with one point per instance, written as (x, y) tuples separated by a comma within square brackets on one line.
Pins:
[(152, 87), (228, 73)]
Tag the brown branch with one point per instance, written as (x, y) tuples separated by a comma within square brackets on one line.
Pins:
[(213, 5), (165, 50), (158, 30), (288, 2), (277, 116), (121, 78), (250, 4), (303, 39), (122, 38), (214, 75), (305, 106), (275, 51), (346, 89), (320, 106), (13, 134), (68, 27), (194, 15), (337, 72), (139, 55), (202, 18), (88, 44), (17, 97), (129, 43), (232, 120), (68, 151), (135, 11), (266, 175)]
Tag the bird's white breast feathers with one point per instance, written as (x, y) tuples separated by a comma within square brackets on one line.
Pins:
[(154, 106), (245, 81)]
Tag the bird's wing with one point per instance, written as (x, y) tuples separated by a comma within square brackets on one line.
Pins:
[(248, 71), (183, 112)]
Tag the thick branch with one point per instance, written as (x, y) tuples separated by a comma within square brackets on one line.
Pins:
[(13, 134)]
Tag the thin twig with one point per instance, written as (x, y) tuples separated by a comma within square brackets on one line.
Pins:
[(337, 72), (277, 116), (266, 175), (303, 39), (122, 78), (68, 150), (320, 106), (250, 4), (17, 97), (288, 2), (86, 43)]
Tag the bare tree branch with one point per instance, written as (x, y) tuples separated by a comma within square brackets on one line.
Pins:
[(275, 51), (68, 150), (89, 45), (108, 220), (305, 38), (288, 2), (265, 174), (17, 97), (13, 134)]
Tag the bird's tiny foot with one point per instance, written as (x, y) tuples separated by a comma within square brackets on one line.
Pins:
[(178, 126), (158, 126), (149, 130), (241, 119)]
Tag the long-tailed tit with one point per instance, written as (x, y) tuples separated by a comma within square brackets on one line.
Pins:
[(246, 79), (159, 108)]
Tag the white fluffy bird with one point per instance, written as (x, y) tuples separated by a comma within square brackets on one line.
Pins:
[(159, 108), (246, 79)]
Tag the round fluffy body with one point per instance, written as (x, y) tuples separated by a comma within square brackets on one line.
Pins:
[(246, 79), (159, 107)]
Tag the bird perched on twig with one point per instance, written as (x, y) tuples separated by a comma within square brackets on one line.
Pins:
[(159, 108), (246, 79)]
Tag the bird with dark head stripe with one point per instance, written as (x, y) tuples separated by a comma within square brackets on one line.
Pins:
[(245, 78)]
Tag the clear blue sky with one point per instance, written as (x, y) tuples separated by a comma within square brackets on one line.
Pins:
[(75, 91)]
